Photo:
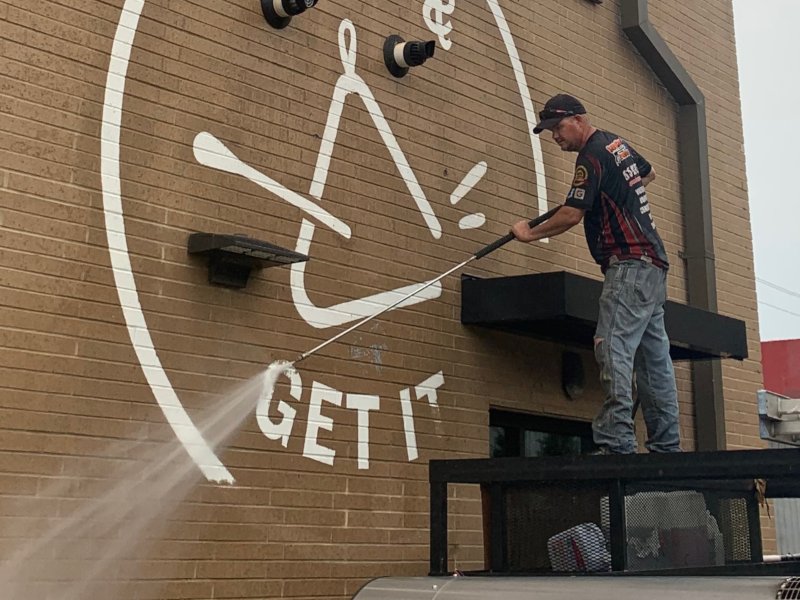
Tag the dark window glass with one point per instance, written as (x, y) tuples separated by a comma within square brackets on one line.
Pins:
[(519, 434)]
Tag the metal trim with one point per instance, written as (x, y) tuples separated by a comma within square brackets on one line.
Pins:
[(696, 200), (566, 311)]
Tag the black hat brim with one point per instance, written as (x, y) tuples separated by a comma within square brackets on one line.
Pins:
[(546, 124)]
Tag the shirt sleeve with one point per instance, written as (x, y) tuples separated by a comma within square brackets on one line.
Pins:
[(585, 184), (642, 164)]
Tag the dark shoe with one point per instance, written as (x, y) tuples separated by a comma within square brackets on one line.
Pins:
[(600, 451)]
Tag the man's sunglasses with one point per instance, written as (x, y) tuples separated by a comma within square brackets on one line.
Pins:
[(555, 114)]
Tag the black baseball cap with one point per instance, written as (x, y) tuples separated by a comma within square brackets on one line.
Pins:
[(558, 107)]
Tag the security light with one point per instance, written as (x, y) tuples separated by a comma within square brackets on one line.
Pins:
[(232, 257), (278, 13), (399, 55), (573, 378)]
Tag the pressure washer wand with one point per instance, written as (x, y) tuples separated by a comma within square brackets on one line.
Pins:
[(479, 254)]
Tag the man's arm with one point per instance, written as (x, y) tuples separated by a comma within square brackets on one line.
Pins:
[(648, 178), (565, 218)]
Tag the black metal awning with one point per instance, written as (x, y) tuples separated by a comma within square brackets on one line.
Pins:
[(563, 307)]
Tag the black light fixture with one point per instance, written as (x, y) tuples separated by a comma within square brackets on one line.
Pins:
[(232, 257), (400, 55), (573, 378), (278, 13)]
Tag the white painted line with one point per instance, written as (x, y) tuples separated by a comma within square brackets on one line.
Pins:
[(196, 446), (408, 425), (350, 82), (211, 152), (527, 103), (346, 312), (470, 180)]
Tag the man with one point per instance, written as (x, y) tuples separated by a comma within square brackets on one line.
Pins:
[(608, 195)]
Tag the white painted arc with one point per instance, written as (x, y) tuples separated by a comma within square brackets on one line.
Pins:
[(211, 152), (192, 440), (527, 103), (346, 312), (190, 437)]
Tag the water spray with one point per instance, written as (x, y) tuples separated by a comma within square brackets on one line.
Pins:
[(277, 368)]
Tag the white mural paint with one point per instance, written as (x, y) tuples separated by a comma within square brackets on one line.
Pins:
[(349, 82), (470, 180), (408, 424), (373, 353), (472, 221), (527, 103), (185, 430), (352, 83), (316, 420), (363, 404), (427, 389), (433, 11), (283, 430), (213, 153)]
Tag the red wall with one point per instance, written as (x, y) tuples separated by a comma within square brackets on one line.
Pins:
[(781, 363)]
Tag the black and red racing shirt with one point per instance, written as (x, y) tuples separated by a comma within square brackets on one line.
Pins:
[(608, 186)]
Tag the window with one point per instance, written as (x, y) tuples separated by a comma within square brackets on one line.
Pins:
[(519, 434)]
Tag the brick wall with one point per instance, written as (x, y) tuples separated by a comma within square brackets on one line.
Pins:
[(77, 408)]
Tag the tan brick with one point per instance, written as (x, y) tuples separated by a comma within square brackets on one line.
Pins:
[(72, 384)]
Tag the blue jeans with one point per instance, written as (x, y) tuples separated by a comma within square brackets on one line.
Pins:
[(630, 339)]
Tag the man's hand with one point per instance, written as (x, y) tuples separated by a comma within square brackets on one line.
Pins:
[(565, 218), (522, 231)]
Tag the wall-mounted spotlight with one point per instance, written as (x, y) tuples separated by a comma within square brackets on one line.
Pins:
[(278, 13), (232, 257), (573, 378), (399, 55)]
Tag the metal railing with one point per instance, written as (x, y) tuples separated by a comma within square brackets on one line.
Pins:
[(694, 512)]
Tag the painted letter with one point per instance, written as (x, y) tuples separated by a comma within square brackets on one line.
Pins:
[(283, 430), (316, 421), (408, 424), (363, 404), (428, 388)]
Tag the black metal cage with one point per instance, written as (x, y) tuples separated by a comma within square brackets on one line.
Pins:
[(693, 512)]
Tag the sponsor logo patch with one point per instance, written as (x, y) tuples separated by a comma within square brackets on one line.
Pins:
[(581, 176), (619, 150), (580, 194)]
